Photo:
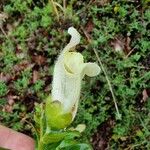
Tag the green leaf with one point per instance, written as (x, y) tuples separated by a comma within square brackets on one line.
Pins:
[(58, 136), (52, 146), (78, 147), (73, 145)]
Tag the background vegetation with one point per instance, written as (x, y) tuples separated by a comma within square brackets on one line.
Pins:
[(32, 33)]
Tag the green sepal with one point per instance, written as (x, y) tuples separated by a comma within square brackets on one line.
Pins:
[(56, 118)]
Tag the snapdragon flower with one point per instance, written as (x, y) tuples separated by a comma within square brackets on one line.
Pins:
[(69, 71)]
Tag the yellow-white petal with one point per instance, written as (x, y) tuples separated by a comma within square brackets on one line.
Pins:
[(73, 62), (80, 127), (91, 69), (75, 39)]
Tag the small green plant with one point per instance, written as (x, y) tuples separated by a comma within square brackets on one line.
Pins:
[(22, 83), (3, 89)]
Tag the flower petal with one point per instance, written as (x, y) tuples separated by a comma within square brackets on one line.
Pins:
[(75, 39), (91, 69), (73, 62)]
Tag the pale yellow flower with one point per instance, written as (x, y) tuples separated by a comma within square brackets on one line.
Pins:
[(69, 70)]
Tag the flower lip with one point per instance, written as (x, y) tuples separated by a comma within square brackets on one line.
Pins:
[(73, 62)]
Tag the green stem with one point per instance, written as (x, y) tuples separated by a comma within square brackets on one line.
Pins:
[(109, 83), (41, 145), (55, 9)]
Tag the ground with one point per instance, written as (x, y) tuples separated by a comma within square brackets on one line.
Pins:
[(32, 34)]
